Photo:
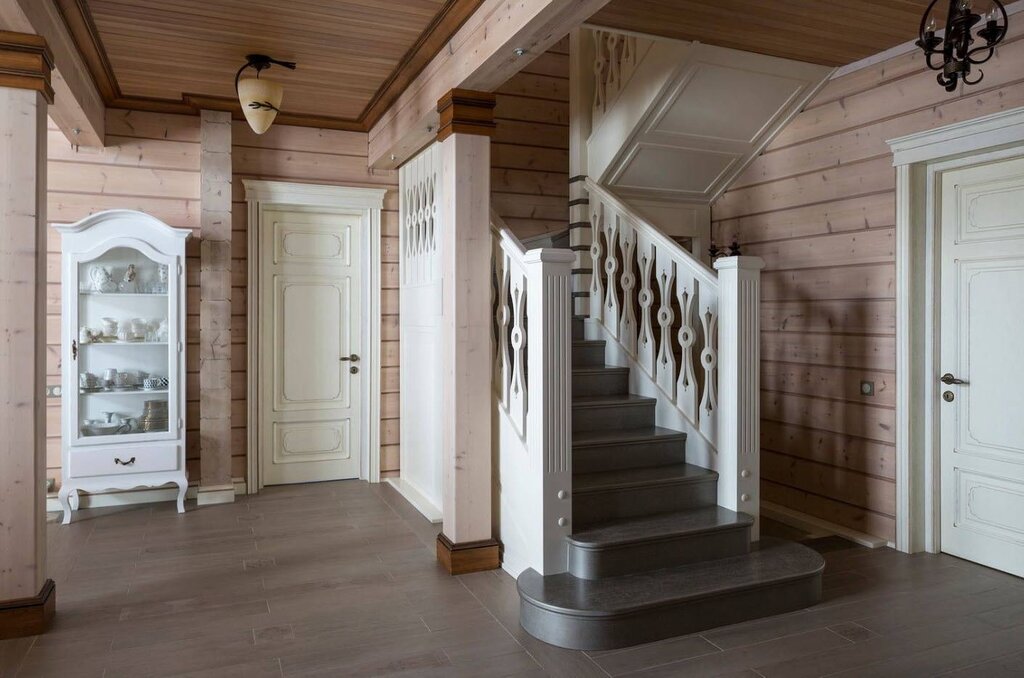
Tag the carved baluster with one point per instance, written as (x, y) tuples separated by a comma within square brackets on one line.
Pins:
[(611, 267), (627, 322), (614, 65), (600, 70), (708, 415), (596, 253), (504, 318), (665, 369), (686, 384), (645, 344), (517, 337)]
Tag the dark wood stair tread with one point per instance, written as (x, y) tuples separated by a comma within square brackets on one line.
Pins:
[(671, 474), (625, 531), (625, 436), (773, 562)]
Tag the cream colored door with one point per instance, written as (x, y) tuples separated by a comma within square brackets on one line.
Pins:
[(310, 293), (982, 334)]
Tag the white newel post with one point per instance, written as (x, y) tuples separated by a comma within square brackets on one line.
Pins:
[(739, 385), (549, 406), (466, 543)]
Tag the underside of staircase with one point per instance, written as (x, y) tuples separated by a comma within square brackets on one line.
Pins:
[(652, 555)]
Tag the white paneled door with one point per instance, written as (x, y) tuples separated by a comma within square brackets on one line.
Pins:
[(980, 383), (310, 287)]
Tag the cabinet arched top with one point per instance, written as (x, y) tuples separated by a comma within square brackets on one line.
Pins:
[(127, 223)]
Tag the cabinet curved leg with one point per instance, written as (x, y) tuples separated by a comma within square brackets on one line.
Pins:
[(182, 489), (73, 500), (64, 497)]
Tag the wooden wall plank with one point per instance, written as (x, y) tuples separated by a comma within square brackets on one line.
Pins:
[(530, 151), (819, 206)]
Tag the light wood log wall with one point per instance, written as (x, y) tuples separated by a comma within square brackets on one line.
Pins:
[(320, 156), (151, 164), (530, 151), (819, 206)]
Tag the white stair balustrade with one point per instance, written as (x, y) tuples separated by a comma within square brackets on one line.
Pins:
[(691, 330), (532, 391)]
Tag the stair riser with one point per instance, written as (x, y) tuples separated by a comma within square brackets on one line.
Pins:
[(603, 505), (588, 356), (600, 383), (594, 563), (577, 329), (613, 417), (642, 454), (578, 632)]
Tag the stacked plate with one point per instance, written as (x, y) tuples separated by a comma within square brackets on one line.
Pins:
[(154, 416)]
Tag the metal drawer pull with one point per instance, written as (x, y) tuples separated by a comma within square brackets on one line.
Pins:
[(124, 463)]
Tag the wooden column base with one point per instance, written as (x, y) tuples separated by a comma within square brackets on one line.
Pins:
[(28, 616), (470, 556)]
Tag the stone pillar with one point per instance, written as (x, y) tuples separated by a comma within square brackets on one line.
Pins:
[(27, 597), (215, 485), (467, 123)]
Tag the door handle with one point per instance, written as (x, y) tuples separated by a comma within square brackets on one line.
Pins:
[(349, 358), (948, 379)]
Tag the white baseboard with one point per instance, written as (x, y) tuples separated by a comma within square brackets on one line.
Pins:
[(416, 498), (215, 494), (817, 526), (131, 497)]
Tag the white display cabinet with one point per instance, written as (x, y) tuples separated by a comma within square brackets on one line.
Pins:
[(123, 355)]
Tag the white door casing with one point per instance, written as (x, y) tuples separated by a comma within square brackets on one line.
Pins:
[(310, 284), (360, 208), (982, 324)]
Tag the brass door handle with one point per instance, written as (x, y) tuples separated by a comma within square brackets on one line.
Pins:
[(349, 358), (948, 379)]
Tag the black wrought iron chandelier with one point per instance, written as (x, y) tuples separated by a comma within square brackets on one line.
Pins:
[(957, 46)]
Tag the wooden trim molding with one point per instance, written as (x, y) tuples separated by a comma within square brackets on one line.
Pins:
[(28, 616), (466, 111), (472, 556), (26, 63)]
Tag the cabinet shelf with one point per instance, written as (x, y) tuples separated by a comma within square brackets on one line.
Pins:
[(155, 295), (123, 343), (137, 391)]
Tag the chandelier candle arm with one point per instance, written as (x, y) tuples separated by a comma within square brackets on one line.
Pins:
[(956, 46)]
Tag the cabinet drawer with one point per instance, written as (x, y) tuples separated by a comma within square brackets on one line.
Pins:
[(102, 461)]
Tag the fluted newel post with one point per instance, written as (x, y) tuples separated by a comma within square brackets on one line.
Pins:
[(549, 406), (739, 385)]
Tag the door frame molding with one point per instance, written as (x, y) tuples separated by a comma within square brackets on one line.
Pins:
[(920, 159), (366, 203)]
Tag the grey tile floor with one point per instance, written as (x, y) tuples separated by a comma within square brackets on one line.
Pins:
[(339, 579)]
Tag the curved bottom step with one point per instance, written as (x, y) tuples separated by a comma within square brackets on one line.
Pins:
[(616, 612)]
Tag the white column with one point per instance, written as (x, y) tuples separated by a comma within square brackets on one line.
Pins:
[(466, 542), (549, 418), (739, 385), (26, 595)]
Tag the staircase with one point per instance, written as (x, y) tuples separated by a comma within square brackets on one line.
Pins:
[(651, 555)]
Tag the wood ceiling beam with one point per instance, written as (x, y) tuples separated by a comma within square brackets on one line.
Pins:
[(77, 103), (480, 56)]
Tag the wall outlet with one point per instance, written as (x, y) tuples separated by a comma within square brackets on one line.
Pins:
[(50, 484), (867, 388), (53, 390)]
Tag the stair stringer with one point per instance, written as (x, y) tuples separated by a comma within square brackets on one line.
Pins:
[(699, 450)]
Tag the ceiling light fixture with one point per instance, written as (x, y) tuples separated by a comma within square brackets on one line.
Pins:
[(260, 97), (955, 47)]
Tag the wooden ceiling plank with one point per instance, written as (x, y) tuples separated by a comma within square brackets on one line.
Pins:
[(78, 108)]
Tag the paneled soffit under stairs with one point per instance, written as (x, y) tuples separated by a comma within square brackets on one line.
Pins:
[(678, 121)]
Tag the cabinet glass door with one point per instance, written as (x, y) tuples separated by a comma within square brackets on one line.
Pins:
[(124, 345)]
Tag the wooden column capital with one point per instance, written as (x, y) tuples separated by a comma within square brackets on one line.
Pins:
[(26, 63), (466, 111)]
